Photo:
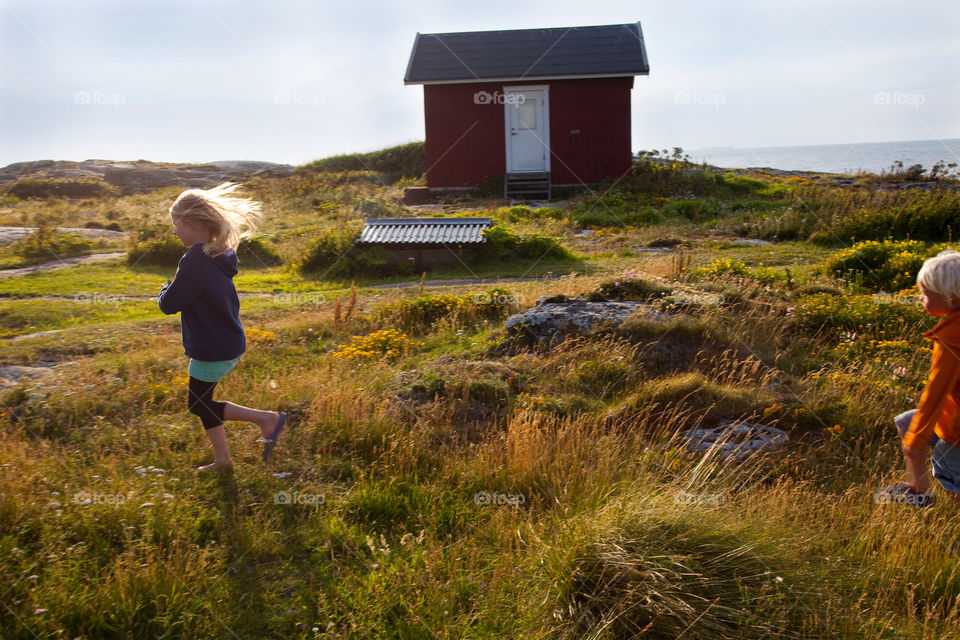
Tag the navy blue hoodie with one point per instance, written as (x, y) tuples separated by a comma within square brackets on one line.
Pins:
[(203, 293)]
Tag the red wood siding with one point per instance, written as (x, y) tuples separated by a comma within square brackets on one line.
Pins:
[(600, 109), (465, 140)]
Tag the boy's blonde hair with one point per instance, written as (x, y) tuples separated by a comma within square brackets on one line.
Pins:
[(227, 217), (941, 275)]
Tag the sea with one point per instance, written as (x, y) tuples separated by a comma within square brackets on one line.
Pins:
[(871, 157)]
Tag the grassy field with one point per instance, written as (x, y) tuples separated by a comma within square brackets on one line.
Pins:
[(440, 478)]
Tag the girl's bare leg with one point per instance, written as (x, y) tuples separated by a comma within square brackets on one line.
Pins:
[(221, 454), (266, 420)]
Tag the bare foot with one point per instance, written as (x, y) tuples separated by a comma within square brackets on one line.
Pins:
[(267, 427), (217, 466)]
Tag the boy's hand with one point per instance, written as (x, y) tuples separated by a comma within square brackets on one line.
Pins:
[(916, 459)]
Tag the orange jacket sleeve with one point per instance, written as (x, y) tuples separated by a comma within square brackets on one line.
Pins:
[(944, 375)]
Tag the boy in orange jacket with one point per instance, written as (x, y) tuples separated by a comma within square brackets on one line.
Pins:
[(936, 420)]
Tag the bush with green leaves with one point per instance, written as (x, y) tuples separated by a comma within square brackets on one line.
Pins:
[(373, 208), (882, 266), (865, 314), (424, 311), (674, 174), (49, 244), (696, 210), (162, 251), (328, 248), (61, 188), (522, 213), (503, 244), (723, 266), (254, 252), (165, 250), (334, 253)]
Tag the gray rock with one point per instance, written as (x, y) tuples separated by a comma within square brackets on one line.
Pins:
[(735, 440), (17, 373), (13, 234), (653, 249), (557, 318)]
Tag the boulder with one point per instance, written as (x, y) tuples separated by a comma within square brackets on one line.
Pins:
[(10, 374), (558, 317), (735, 440)]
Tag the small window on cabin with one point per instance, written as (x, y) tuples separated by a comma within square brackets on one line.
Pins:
[(527, 115)]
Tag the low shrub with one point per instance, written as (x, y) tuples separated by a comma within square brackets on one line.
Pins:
[(386, 343), (698, 210), (723, 266), (163, 251), (49, 244), (329, 249), (872, 314), (372, 208), (422, 312), (61, 188), (254, 252), (503, 244), (881, 266), (167, 249), (522, 213)]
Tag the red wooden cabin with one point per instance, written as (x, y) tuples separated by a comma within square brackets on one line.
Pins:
[(536, 107)]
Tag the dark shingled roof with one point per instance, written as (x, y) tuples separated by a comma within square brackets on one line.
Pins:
[(528, 54), (424, 230)]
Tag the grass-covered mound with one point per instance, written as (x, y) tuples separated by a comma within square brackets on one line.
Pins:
[(402, 161)]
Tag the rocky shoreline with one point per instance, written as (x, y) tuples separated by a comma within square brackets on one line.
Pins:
[(143, 175)]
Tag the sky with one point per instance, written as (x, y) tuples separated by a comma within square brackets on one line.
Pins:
[(294, 80)]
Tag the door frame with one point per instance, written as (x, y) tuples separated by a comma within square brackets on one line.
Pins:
[(546, 123)]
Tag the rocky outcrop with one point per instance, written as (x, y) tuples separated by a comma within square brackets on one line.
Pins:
[(12, 374), (141, 175), (13, 234), (559, 317), (734, 440)]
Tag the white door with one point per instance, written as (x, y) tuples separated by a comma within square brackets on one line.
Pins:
[(528, 131)]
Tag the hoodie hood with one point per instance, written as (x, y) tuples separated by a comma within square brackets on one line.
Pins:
[(226, 261), (947, 331)]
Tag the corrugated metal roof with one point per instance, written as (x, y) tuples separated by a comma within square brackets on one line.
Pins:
[(528, 54), (424, 230)]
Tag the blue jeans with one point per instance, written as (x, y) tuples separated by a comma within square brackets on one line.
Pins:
[(945, 459)]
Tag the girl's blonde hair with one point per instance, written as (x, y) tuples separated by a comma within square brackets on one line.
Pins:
[(228, 218), (941, 275)]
